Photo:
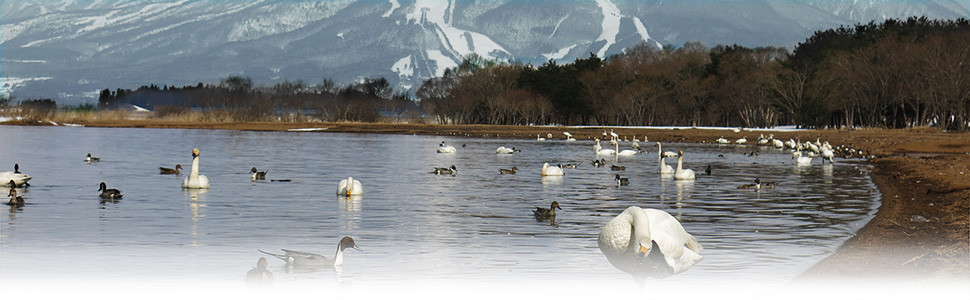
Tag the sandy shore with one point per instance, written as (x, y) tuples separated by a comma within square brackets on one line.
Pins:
[(921, 231)]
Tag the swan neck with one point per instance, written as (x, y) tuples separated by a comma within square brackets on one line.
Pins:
[(641, 226), (194, 174), (680, 163)]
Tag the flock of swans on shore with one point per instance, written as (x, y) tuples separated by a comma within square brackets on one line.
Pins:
[(638, 241)]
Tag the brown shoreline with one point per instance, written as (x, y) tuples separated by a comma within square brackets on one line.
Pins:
[(922, 174)]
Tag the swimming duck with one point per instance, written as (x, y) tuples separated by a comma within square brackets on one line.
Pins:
[(598, 162), (14, 199), (259, 275), (548, 170), (195, 180), (164, 170), (648, 243), (508, 171), (568, 166), (349, 187), (301, 259), (546, 213), (442, 148), (18, 179), (708, 170), (617, 168), (621, 180), (681, 173), (257, 175), (450, 170), (91, 159), (758, 185), (107, 193)]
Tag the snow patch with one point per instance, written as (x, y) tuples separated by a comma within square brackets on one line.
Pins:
[(642, 30), (559, 54), (441, 60), (340, 34), (462, 42), (394, 5), (139, 108), (8, 84), (404, 67), (611, 25)]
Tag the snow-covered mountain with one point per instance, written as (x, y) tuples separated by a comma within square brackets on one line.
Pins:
[(70, 49)]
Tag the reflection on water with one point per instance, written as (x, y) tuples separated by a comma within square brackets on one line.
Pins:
[(477, 224)]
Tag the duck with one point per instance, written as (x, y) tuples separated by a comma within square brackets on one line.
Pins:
[(259, 275), (176, 170), (708, 170), (15, 200), (299, 259), (621, 180), (442, 148), (450, 170), (257, 175), (548, 170), (505, 150), (800, 160), (107, 193), (508, 171), (758, 185), (18, 179), (91, 159), (547, 213), (568, 166), (598, 162), (681, 173), (195, 180), (648, 243), (617, 168), (349, 187)]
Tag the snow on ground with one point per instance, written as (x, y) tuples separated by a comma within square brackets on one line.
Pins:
[(394, 5), (559, 54), (462, 41), (442, 62)]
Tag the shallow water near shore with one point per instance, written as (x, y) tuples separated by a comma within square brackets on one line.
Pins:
[(410, 224)]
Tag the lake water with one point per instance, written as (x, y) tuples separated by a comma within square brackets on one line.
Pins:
[(476, 226)]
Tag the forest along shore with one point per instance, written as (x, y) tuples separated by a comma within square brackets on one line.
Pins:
[(921, 230)]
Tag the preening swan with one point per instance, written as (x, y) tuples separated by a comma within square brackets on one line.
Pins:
[(301, 259), (827, 154), (648, 243), (107, 193), (19, 179), (548, 170), (681, 173), (195, 180), (442, 148), (799, 160), (742, 140), (505, 150), (722, 140), (349, 187)]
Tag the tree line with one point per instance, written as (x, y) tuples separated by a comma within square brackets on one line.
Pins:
[(895, 74)]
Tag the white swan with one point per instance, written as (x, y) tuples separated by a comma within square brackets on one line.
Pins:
[(801, 161), (569, 136), (827, 154), (442, 148), (681, 173), (548, 170), (742, 140), (722, 140), (504, 150), (625, 152), (600, 151), (648, 243), (195, 180), (350, 187), (19, 179), (540, 138)]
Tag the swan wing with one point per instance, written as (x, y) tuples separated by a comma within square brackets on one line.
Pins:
[(680, 249), (342, 186)]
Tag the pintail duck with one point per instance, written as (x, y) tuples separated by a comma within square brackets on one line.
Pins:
[(568, 166), (546, 213), (621, 180), (164, 170), (107, 193), (91, 159), (758, 185), (508, 171), (301, 259), (598, 162), (450, 170), (257, 175)]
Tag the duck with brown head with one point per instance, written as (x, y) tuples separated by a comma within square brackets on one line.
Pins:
[(164, 170)]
